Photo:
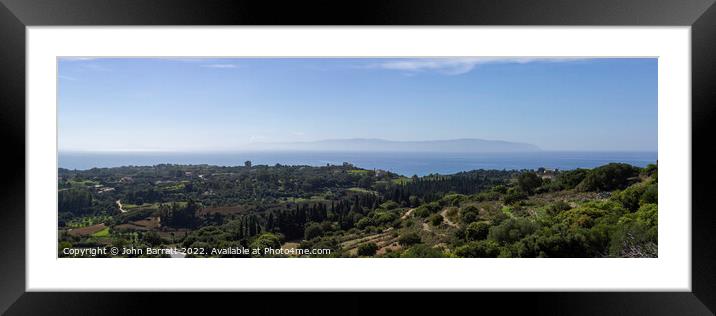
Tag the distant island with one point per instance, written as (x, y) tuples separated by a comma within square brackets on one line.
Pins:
[(463, 145)]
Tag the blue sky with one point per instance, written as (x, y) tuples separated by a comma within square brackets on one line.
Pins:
[(190, 104)]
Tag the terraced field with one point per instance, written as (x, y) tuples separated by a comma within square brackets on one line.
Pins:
[(86, 231), (386, 239)]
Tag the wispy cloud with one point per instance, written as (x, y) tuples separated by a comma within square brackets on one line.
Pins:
[(67, 77), (219, 63), (257, 138), (96, 67), (221, 66), (458, 66)]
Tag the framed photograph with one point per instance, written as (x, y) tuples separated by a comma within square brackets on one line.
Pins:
[(457, 146)]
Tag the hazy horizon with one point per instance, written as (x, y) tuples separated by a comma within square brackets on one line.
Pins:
[(232, 104), (327, 150)]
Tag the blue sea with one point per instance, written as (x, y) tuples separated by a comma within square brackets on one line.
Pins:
[(407, 164)]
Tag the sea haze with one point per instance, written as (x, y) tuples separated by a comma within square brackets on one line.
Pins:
[(404, 163), (463, 145)]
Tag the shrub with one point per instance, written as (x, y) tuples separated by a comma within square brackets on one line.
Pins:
[(422, 251), (499, 189), (413, 200), (383, 218), (367, 249), (649, 170), (636, 234), (648, 215), (558, 207), (511, 230), (266, 240), (327, 226), (514, 195), (528, 182), (436, 219), (409, 239), (613, 176), (433, 207), (327, 243), (390, 205), (422, 211), (630, 197), (426, 210), (591, 213), (469, 214), (477, 231), (479, 249), (555, 242), (364, 222), (408, 223), (64, 244), (566, 180), (487, 196), (636, 195), (452, 199), (152, 238), (650, 195), (312, 230)]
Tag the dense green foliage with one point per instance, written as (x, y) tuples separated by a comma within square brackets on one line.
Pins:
[(609, 177), (609, 211), (367, 249)]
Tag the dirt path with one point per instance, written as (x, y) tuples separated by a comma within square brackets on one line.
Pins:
[(177, 255), (407, 214), (119, 204), (447, 220)]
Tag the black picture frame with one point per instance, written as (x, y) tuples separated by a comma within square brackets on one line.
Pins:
[(700, 15)]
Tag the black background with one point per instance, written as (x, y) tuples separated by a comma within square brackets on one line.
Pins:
[(15, 15)]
